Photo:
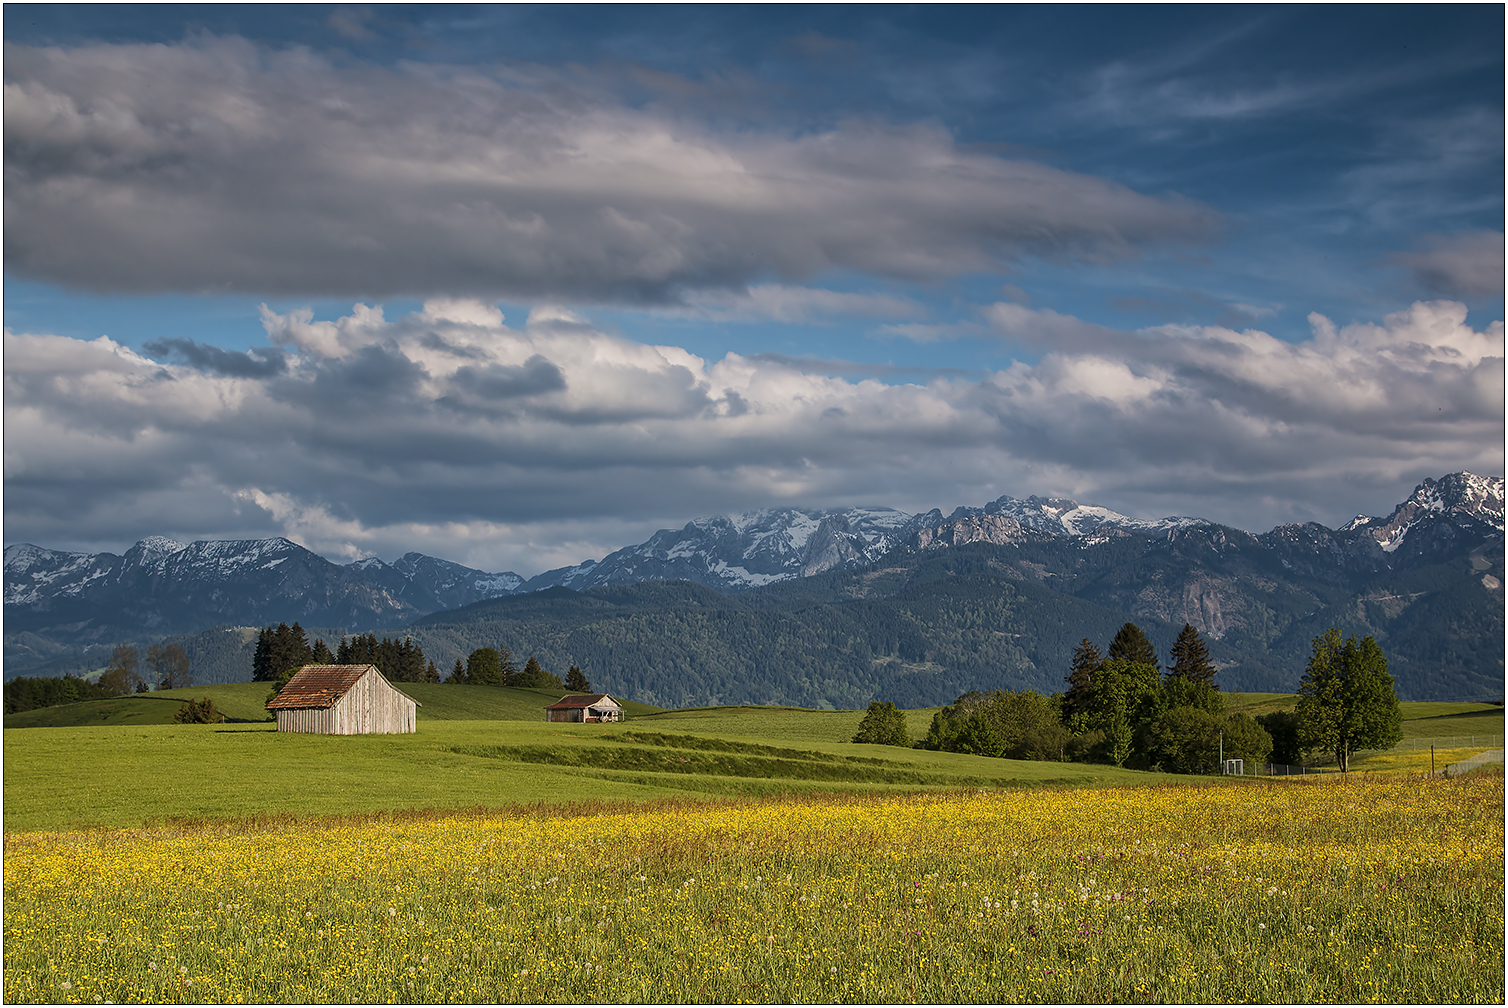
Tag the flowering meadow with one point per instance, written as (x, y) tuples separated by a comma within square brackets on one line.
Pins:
[(1308, 890)]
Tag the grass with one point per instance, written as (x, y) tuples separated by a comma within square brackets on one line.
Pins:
[(122, 777), (1317, 891)]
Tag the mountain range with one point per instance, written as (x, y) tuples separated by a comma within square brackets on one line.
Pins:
[(1427, 578)]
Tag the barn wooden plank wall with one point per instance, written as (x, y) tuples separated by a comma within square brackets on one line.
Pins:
[(370, 706)]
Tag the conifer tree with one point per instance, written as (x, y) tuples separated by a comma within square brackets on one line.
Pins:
[(457, 674), (321, 654), (576, 681), (1086, 662), (1191, 658), (535, 677), (431, 674), (1132, 645)]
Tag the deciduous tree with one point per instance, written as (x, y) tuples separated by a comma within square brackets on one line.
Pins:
[(484, 667), (170, 666), (884, 724), (121, 677), (1346, 698)]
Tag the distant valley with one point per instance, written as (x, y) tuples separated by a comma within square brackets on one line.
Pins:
[(833, 608)]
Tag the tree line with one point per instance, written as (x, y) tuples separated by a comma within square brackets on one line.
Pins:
[(164, 666), (1122, 707), (284, 649), (494, 666)]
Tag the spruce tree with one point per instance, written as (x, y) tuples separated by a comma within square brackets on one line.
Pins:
[(457, 674), (1087, 660), (431, 674), (1132, 645), (1191, 658), (576, 681), (535, 677), (261, 662), (322, 655)]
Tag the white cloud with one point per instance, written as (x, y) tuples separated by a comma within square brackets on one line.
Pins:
[(450, 432), (217, 165)]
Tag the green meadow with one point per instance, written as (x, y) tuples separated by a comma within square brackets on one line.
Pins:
[(124, 763)]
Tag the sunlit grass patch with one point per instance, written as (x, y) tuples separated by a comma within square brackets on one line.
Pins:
[(1281, 891)]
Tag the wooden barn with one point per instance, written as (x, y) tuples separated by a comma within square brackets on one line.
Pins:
[(342, 700), (585, 709)]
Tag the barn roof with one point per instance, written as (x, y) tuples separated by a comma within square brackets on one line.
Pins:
[(573, 702), (319, 686)]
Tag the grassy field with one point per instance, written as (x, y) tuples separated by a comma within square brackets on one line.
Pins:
[(1298, 891), (123, 777)]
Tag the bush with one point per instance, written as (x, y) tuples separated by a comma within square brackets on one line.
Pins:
[(199, 712), (883, 725)]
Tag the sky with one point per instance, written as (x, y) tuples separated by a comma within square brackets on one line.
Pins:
[(517, 286)]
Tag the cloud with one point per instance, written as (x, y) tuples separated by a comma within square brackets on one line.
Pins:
[(255, 363), (448, 431), (1462, 265), (216, 165), (785, 303)]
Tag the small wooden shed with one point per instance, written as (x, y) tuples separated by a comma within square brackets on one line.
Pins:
[(343, 700), (583, 709)]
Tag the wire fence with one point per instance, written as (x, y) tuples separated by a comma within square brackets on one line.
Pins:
[(1451, 742), (1480, 759)]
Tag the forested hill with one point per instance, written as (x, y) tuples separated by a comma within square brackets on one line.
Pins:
[(920, 628), (921, 635)]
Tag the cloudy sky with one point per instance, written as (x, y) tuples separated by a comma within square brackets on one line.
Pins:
[(517, 286)]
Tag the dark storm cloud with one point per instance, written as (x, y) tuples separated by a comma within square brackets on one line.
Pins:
[(218, 165), (497, 381), (1462, 265), (259, 362)]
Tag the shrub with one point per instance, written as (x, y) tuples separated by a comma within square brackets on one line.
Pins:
[(199, 712)]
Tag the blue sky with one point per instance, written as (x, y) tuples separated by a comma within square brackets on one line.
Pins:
[(1242, 262)]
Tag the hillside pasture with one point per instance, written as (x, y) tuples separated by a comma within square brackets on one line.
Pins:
[(125, 777)]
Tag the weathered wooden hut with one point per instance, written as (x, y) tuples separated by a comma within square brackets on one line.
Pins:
[(342, 700), (582, 709)]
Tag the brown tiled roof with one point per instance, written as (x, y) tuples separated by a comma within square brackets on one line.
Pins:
[(318, 686), (573, 702)]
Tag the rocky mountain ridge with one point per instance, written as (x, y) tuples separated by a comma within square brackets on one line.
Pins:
[(1225, 581)]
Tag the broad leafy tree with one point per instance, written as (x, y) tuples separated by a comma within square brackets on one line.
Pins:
[(1346, 698), (121, 677), (170, 666), (484, 667), (1123, 697), (1024, 725), (885, 724)]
